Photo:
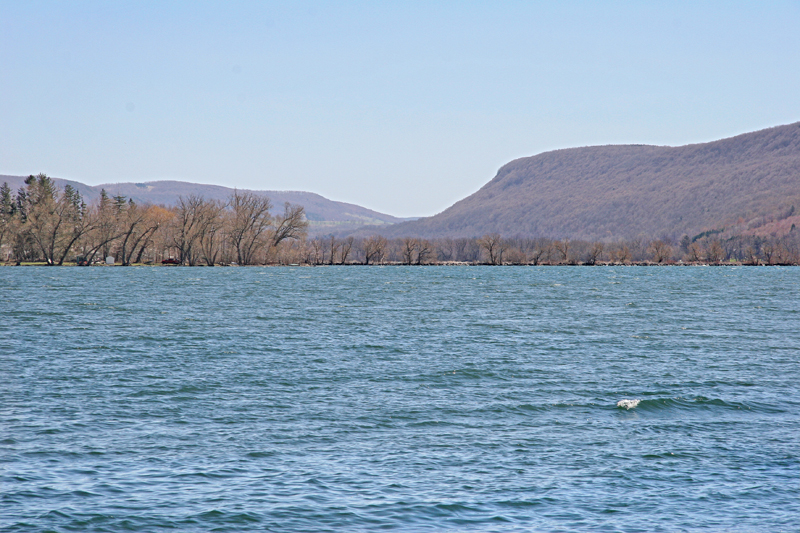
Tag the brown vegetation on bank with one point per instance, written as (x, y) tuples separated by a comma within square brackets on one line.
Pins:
[(48, 225), (493, 249), (43, 223)]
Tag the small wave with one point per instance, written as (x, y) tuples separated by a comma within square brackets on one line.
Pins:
[(697, 403), (628, 404), (259, 455)]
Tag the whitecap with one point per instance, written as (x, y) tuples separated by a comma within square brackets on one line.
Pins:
[(628, 404)]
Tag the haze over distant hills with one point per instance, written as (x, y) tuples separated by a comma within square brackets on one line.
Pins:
[(610, 192), (741, 184), (325, 216)]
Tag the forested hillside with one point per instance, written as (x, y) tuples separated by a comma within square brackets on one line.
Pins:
[(744, 185), (735, 185)]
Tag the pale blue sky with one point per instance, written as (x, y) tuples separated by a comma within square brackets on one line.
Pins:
[(403, 107)]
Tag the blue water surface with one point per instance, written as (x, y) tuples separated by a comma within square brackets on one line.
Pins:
[(400, 398)]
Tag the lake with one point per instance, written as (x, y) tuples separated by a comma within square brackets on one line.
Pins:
[(400, 398)]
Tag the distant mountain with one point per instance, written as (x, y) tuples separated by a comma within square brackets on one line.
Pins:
[(325, 216), (610, 192)]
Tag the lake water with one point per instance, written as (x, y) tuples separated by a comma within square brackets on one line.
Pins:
[(409, 399)]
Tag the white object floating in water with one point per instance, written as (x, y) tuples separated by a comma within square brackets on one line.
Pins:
[(628, 404)]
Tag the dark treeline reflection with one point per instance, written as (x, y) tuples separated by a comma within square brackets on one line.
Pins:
[(41, 223)]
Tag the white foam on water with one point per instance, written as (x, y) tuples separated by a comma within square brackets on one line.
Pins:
[(628, 404)]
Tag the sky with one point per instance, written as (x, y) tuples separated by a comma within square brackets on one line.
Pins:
[(404, 107)]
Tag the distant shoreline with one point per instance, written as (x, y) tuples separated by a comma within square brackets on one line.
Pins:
[(440, 264)]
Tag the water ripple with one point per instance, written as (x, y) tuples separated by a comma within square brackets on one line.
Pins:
[(410, 399)]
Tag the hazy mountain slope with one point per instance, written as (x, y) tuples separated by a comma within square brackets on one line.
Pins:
[(325, 215), (624, 191)]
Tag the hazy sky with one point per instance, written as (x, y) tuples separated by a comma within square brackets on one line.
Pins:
[(403, 107)]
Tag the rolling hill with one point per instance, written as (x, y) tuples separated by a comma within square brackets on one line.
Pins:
[(325, 216), (749, 183), (611, 192)]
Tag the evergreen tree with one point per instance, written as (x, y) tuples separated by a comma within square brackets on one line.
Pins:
[(7, 210)]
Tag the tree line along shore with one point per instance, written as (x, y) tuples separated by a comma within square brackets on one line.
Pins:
[(44, 224)]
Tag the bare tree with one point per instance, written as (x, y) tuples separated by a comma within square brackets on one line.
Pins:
[(536, 255), (638, 248), (515, 254), (546, 246), (317, 252), (660, 250), (469, 250), (622, 254), (562, 247), (135, 224), (460, 249), (373, 249), (347, 247), (104, 231), (291, 225), (694, 253), (306, 253), (595, 253), (408, 250), (445, 249), (768, 251), (156, 218), (333, 247), (55, 220), (185, 234), (210, 230), (782, 253), (714, 251), (494, 247), (424, 251), (250, 225), (751, 256)]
